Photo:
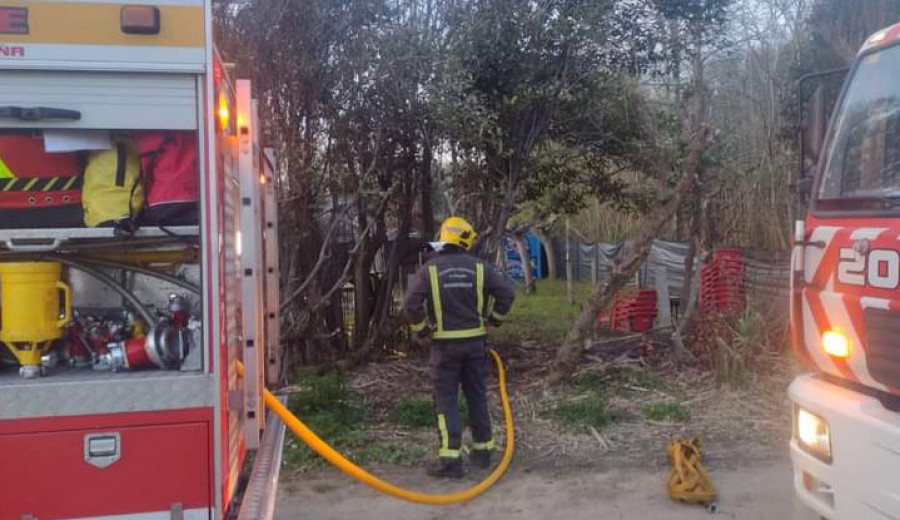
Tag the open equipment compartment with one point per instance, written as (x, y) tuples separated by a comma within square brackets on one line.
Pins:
[(100, 260)]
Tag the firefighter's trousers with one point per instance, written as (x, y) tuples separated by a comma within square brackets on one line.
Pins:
[(453, 364)]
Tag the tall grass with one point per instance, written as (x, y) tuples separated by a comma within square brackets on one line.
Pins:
[(602, 223), (752, 337)]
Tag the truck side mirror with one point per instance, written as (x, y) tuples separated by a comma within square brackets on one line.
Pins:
[(812, 131), (818, 94)]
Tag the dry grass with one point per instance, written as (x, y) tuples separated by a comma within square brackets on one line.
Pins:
[(754, 417), (737, 406), (384, 384)]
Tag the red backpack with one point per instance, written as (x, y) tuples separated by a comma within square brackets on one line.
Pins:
[(38, 189), (170, 168)]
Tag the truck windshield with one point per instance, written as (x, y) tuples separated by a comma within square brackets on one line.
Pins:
[(863, 165)]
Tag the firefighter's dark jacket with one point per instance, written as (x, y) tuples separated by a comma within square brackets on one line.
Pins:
[(457, 293)]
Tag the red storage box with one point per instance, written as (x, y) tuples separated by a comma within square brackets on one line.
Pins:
[(38, 189)]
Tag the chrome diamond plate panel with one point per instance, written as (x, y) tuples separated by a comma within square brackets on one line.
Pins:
[(86, 393)]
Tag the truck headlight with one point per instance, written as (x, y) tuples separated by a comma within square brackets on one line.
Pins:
[(813, 434)]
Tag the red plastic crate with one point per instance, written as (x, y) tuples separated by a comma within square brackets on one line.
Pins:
[(632, 311), (723, 283)]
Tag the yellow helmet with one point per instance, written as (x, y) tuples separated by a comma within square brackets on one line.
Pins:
[(459, 232)]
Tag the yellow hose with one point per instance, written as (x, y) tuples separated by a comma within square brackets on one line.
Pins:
[(332, 456), (688, 481)]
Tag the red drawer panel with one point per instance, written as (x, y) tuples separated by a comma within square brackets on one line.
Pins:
[(46, 474)]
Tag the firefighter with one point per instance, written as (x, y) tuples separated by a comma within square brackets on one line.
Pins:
[(453, 296)]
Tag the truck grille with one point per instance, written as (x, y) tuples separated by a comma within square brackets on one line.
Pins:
[(883, 346)]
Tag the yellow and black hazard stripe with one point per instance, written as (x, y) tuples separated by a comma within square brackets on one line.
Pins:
[(41, 184)]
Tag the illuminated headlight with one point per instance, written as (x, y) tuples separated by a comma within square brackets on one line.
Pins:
[(813, 434)]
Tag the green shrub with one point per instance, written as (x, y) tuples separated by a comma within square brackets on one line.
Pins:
[(584, 412), (320, 392), (666, 411), (330, 409), (418, 413), (645, 379), (734, 357), (588, 381), (414, 413)]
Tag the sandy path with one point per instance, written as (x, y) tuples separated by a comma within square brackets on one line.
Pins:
[(761, 491)]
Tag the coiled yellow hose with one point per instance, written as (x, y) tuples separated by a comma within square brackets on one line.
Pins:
[(688, 481), (332, 456)]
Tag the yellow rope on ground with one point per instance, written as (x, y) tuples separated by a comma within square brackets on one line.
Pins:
[(688, 481), (332, 456)]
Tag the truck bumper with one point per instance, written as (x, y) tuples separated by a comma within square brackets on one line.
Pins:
[(861, 481)]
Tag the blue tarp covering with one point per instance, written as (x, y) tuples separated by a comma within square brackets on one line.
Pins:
[(514, 260)]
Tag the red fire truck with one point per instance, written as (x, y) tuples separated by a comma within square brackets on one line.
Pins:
[(845, 307), (138, 267)]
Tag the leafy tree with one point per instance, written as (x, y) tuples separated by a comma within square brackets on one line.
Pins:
[(702, 20), (517, 73), (340, 84)]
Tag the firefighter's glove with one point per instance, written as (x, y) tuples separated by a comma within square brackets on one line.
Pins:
[(493, 321), (420, 338), (419, 333)]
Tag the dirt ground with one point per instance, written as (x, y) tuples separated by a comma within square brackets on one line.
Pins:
[(757, 492), (755, 417), (577, 471), (564, 474)]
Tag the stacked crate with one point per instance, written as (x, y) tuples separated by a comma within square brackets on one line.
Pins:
[(632, 311), (723, 283)]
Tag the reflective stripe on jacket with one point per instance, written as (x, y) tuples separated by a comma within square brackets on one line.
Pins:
[(456, 292)]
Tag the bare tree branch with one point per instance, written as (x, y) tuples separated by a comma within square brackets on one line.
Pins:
[(354, 253), (324, 254)]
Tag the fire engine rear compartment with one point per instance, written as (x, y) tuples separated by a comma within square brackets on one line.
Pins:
[(123, 380), (172, 340)]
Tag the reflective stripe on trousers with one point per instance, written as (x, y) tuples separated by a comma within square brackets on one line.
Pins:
[(456, 364)]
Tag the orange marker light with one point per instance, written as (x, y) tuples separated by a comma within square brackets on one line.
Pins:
[(836, 344), (139, 19), (224, 113)]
